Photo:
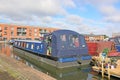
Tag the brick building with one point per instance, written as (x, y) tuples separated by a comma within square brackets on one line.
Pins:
[(11, 31), (92, 37), (116, 34)]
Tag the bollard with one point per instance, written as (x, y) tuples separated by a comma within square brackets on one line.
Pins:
[(102, 70), (108, 71)]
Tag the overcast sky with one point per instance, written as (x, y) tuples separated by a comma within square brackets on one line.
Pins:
[(83, 16)]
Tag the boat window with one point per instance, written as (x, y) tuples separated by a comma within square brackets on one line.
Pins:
[(119, 40), (112, 40), (49, 48), (38, 47), (24, 45), (63, 41), (15, 43), (48, 39), (74, 41), (63, 37), (27, 45), (19, 44), (82, 39), (32, 46), (116, 41)]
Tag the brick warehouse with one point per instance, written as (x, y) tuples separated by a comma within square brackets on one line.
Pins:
[(11, 31)]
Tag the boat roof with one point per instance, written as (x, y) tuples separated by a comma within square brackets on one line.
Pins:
[(59, 32), (29, 41)]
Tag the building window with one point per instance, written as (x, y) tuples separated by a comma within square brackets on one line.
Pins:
[(35, 30), (45, 30), (21, 31), (4, 38), (40, 30), (0, 34), (5, 33), (28, 38), (30, 34), (35, 34), (30, 29), (5, 28), (19, 34), (36, 39), (24, 30), (18, 29), (12, 33), (12, 29), (24, 34)]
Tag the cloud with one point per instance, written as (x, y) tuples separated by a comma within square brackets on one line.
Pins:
[(111, 13), (100, 2), (59, 14), (34, 11), (69, 3), (27, 8), (74, 19), (113, 19), (107, 8)]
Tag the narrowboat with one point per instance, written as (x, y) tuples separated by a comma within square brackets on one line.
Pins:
[(11, 41), (62, 47)]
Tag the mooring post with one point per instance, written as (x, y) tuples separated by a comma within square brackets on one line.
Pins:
[(108, 71), (102, 70)]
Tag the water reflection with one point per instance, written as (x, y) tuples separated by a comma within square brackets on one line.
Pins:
[(6, 49), (74, 73)]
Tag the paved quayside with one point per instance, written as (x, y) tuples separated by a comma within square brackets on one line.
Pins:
[(19, 71)]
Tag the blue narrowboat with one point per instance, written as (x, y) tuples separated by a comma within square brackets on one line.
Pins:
[(61, 46)]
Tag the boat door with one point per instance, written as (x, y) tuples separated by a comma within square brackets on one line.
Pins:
[(48, 42)]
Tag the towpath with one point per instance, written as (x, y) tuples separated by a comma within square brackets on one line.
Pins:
[(10, 69)]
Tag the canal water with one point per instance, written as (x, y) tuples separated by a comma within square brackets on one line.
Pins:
[(73, 73)]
